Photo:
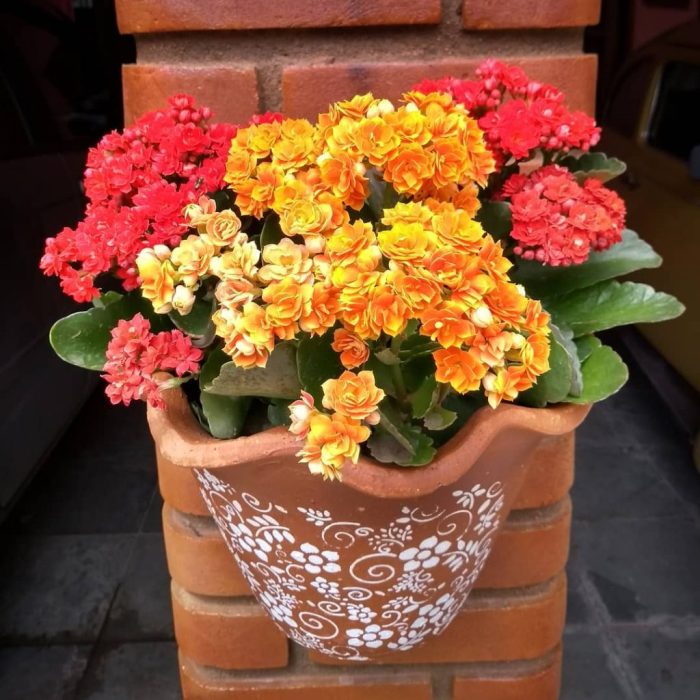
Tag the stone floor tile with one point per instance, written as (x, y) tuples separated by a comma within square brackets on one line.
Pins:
[(132, 671), (617, 481), (585, 672), (643, 569), (577, 612), (666, 661), (141, 609), (41, 673), (59, 588)]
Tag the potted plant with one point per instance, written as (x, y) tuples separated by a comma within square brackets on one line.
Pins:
[(368, 295)]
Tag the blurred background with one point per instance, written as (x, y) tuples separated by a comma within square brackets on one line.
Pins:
[(60, 91)]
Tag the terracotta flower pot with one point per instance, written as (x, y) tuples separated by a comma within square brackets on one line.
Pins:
[(379, 562)]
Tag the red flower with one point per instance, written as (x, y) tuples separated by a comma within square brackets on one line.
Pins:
[(134, 355), (557, 221)]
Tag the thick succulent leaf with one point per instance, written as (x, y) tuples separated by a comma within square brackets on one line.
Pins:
[(382, 375), (543, 281), (464, 407), (604, 373), (423, 399), (271, 231), (278, 379), (225, 415), (610, 304), (553, 386), (439, 418), (278, 412), (316, 362), (496, 219), (585, 346), (596, 165), (565, 337), (197, 323), (82, 337)]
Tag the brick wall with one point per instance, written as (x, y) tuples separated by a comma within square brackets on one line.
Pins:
[(296, 56), (239, 56)]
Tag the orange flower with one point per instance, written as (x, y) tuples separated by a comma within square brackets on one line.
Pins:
[(349, 240), (375, 140), (321, 313), (295, 147), (460, 368), (240, 165), (191, 259), (447, 325), (345, 177), (157, 280), (507, 301), (353, 351), (286, 259), (306, 217), (455, 227), (467, 198), (406, 242), (233, 293), (534, 354), (248, 337), (450, 161), (415, 288), (355, 396), (450, 266), (505, 384), (409, 168), (223, 229), (288, 301), (330, 442), (386, 312)]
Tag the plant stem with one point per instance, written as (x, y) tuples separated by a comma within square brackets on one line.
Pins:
[(396, 375)]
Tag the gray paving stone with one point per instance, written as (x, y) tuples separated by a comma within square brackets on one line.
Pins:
[(618, 481), (666, 660), (132, 672), (577, 612), (585, 671), (58, 589), (643, 570), (41, 673), (141, 609)]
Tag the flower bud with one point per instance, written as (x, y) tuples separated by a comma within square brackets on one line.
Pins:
[(183, 299), (161, 251), (481, 316), (489, 381)]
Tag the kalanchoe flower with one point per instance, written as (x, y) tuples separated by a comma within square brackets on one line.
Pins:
[(556, 221), (518, 114), (135, 355)]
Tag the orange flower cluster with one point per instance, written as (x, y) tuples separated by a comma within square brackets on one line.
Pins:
[(424, 260), (333, 439)]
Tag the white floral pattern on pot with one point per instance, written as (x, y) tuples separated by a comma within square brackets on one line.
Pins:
[(357, 591)]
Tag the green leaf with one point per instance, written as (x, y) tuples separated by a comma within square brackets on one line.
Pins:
[(585, 346), (553, 386), (464, 406), (565, 338), (82, 337), (496, 219), (271, 231), (278, 379), (604, 373), (278, 412), (316, 362), (417, 346), (387, 356), (439, 418), (211, 367), (383, 377), (596, 165), (394, 441), (375, 201), (612, 303), (225, 415), (197, 323), (423, 398), (543, 281)]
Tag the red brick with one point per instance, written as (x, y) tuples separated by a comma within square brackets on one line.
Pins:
[(529, 550), (226, 633), (135, 16), (505, 626), (200, 683), (232, 93), (308, 89), (529, 14), (540, 684), (550, 473), (198, 559)]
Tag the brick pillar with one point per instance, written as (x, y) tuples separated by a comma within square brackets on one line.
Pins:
[(239, 57)]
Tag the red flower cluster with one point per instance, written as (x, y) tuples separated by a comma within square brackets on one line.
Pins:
[(557, 221), (134, 355), (137, 183), (518, 114)]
